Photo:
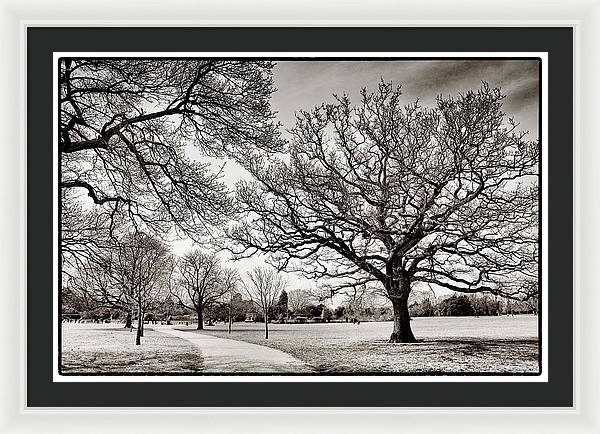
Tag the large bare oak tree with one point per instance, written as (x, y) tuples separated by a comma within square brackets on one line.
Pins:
[(400, 195)]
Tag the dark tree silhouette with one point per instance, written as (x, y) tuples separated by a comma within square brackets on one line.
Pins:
[(281, 307), (401, 196), (456, 305), (128, 126)]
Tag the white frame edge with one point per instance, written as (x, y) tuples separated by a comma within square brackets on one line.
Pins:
[(583, 15)]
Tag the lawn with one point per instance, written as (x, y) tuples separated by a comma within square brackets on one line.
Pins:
[(109, 348), (446, 345)]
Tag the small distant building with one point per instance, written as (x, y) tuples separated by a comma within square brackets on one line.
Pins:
[(251, 317)]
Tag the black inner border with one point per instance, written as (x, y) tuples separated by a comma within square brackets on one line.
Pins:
[(43, 41)]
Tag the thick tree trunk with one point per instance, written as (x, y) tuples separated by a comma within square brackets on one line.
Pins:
[(128, 320), (200, 320), (402, 332)]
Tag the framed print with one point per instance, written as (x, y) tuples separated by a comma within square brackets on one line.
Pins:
[(303, 220)]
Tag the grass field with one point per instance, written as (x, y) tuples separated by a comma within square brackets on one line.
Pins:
[(109, 348), (446, 345)]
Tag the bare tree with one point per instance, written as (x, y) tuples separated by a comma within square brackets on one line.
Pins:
[(140, 266), (400, 196), (129, 275), (93, 286), (263, 289), (298, 299), (200, 282), (361, 297), (126, 126), (231, 282), (82, 232)]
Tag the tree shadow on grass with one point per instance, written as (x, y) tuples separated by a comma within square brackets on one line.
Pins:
[(430, 357)]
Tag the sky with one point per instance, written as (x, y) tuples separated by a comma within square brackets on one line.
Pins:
[(305, 84)]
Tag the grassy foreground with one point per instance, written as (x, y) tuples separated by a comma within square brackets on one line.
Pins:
[(447, 345), (110, 348)]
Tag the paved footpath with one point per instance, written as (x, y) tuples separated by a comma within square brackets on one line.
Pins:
[(228, 355)]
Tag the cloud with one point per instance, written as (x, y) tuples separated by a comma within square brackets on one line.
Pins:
[(303, 84)]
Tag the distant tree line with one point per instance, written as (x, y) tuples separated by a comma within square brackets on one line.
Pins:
[(471, 305)]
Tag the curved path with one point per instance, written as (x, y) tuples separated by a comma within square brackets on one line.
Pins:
[(229, 356)]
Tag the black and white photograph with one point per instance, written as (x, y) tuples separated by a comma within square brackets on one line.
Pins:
[(315, 217)]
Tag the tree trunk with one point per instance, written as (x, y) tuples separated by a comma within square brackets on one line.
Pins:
[(266, 325), (402, 332), (230, 321), (142, 324), (139, 333), (128, 320), (200, 320)]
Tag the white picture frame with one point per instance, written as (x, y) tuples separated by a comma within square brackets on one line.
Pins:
[(583, 16)]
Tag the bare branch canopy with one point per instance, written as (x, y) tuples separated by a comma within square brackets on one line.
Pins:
[(400, 195)]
